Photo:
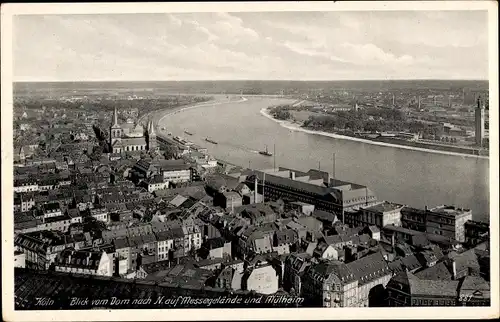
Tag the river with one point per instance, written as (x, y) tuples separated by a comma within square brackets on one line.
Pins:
[(414, 178)]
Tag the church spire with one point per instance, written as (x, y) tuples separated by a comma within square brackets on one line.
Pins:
[(151, 128), (115, 118)]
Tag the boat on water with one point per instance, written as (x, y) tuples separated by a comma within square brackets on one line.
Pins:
[(210, 141), (188, 133), (266, 153)]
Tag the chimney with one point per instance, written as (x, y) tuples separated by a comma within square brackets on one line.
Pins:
[(264, 188), (292, 175), (256, 185), (426, 209)]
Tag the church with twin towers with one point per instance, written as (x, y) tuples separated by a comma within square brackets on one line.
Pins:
[(130, 137)]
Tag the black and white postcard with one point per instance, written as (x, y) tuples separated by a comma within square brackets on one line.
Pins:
[(184, 161)]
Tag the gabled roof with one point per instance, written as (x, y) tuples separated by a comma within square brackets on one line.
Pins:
[(465, 260), (178, 201), (133, 141), (475, 283), (324, 215), (369, 268), (432, 287), (437, 272)]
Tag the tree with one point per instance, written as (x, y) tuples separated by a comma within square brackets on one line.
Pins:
[(282, 114), (170, 152)]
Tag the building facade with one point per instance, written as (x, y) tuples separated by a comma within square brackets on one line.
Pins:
[(334, 195), (448, 221), (380, 215), (476, 232), (84, 262), (336, 284)]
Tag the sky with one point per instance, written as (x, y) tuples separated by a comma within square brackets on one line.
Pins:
[(252, 45)]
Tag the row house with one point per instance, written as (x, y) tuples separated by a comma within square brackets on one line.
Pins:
[(155, 244), (252, 240), (45, 184), (166, 241), (296, 266), (176, 171), (192, 237), (41, 248), (100, 214), (446, 221), (476, 232), (216, 248), (52, 209), (83, 201), (23, 202), (60, 223), (97, 263), (25, 222), (155, 183), (25, 185)]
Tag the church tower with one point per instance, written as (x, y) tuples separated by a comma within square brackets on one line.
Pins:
[(479, 120), (152, 143), (115, 134)]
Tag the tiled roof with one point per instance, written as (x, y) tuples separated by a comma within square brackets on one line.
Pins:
[(293, 184), (474, 283), (465, 260), (178, 201), (437, 272), (369, 268), (182, 274), (215, 243), (324, 215), (432, 287), (341, 270), (133, 141), (410, 262), (173, 165), (218, 181)]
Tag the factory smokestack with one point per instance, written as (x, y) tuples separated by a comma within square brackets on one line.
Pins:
[(256, 186)]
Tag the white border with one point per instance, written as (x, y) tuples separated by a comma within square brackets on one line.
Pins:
[(7, 12)]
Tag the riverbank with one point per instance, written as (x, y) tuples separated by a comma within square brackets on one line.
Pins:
[(165, 113), (409, 145)]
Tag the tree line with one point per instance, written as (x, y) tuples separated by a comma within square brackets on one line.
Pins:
[(368, 119)]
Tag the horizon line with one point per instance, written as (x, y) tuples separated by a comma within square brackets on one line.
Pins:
[(260, 80)]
